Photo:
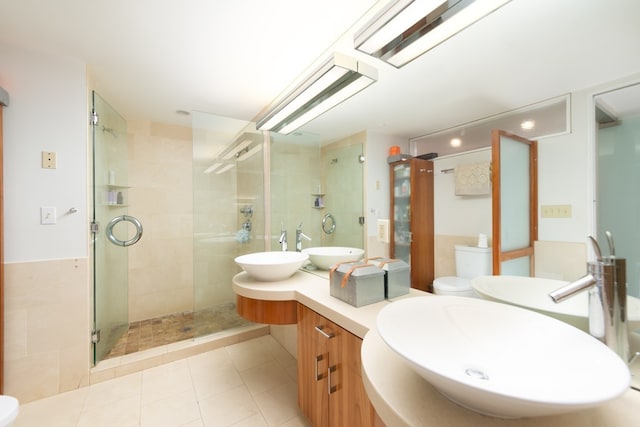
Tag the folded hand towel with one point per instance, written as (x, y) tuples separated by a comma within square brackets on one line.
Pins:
[(473, 179)]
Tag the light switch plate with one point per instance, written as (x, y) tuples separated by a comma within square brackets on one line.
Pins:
[(383, 230), (47, 215), (556, 211)]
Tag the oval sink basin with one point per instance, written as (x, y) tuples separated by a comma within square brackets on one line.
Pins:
[(271, 266), (325, 257), (501, 360), (533, 293)]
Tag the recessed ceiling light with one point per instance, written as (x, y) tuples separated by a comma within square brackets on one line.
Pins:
[(455, 142), (528, 125)]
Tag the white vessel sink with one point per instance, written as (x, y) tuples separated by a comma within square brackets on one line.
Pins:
[(325, 257), (271, 266), (533, 293), (501, 360)]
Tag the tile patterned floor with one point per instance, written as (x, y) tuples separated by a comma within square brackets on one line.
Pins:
[(252, 383), (146, 334)]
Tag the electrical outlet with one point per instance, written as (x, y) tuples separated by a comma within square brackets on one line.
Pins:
[(48, 160), (556, 211)]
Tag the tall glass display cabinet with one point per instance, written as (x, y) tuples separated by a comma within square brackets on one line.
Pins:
[(411, 230)]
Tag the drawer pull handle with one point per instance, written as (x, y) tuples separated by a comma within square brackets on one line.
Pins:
[(325, 334), (331, 389), (318, 374)]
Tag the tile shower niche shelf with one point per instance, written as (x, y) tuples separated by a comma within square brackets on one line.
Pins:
[(113, 193), (318, 200)]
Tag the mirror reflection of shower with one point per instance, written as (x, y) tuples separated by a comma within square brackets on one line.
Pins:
[(617, 162), (310, 179), (240, 149), (244, 234)]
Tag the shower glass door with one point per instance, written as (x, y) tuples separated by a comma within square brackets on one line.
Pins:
[(340, 165), (110, 266)]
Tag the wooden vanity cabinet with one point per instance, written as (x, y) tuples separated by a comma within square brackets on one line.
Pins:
[(330, 388), (412, 228)]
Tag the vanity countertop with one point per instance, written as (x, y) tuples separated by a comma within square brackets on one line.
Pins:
[(312, 290), (400, 396)]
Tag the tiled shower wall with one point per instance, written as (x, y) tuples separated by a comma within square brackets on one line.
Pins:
[(161, 196), (295, 177)]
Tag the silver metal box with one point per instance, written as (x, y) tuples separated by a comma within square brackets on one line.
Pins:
[(357, 283), (397, 277)]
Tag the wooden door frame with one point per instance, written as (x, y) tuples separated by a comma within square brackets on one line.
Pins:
[(498, 255)]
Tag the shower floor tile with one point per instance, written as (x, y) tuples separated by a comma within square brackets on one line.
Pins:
[(159, 331)]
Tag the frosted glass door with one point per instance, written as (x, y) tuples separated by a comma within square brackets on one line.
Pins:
[(515, 201)]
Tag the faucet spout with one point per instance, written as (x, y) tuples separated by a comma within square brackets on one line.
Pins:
[(299, 236), (573, 288), (607, 301), (283, 239)]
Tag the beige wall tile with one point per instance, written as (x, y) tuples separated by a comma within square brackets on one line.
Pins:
[(47, 326), (33, 377), (560, 260), (553, 260), (445, 261), (160, 176), (15, 334), (74, 366)]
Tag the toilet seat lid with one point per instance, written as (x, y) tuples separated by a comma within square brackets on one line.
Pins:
[(8, 407), (453, 284)]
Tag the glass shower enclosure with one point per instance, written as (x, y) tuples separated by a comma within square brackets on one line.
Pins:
[(217, 162), (228, 209), (110, 227)]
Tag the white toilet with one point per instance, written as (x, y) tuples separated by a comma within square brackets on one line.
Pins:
[(8, 410), (471, 261)]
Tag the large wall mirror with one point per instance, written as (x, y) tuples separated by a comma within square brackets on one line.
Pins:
[(618, 175), (312, 181), (461, 219)]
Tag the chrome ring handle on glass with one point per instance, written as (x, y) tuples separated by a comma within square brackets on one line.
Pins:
[(328, 223), (135, 221)]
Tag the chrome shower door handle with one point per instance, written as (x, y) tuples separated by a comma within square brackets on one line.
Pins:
[(113, 239), (328, 224)]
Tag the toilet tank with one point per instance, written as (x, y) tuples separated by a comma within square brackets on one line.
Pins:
[(472, 261)]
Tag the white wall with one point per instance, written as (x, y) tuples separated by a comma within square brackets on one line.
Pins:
[(48, 112), (459, 215), (566, 169)]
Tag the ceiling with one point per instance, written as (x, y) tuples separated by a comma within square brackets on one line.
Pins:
[(149, 58)]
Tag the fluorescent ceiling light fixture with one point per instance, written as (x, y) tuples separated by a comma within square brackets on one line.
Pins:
[(337, 79), (249, 152), (405, 29), (213, 167), (224, 169), (235, 149)]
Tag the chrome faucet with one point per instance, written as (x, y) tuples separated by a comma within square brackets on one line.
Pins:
[(606, 282), (283, 238), (299, 236)]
